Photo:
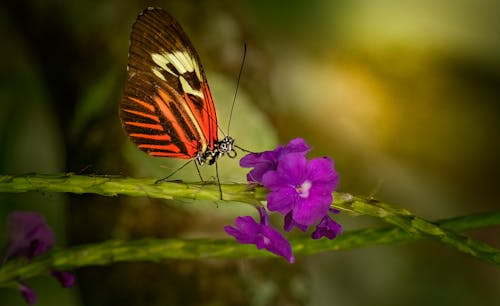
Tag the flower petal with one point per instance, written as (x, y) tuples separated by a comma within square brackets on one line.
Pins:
[(327, 228), (245, 231), (264, 236), (268, 160), (290, 223), (28, 294), (250, 160), (67, 279), (277, 244), (264, 218), (272, 180), (292, 168), (261, 162), (297, 145), (313, 208), (28, 235), (321, 170), (282, 200)]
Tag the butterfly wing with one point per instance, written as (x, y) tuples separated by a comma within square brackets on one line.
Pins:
[(167, 108)]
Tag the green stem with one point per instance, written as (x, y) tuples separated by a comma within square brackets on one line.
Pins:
[(136, 187), (419, 227), (162, 249), (407, 226)]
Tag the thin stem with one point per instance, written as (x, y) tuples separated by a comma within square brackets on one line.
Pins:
[(407, 226), (162, 249)]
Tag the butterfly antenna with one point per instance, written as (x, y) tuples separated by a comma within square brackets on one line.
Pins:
[(244, 150), (237, 86)]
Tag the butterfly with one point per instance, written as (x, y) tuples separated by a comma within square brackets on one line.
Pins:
[(167, 108)]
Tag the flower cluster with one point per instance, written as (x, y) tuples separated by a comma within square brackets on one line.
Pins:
[(29, 236), (299, 189)]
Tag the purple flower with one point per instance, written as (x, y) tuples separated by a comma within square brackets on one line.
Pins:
[(67, 279), (28, 294), (29, 235), (264, 236), (268, 160), (301, 187), (327, 228)]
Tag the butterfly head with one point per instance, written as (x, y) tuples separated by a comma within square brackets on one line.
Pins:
[(222, 147)]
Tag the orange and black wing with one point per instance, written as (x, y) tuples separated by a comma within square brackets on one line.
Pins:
[(167, 108)]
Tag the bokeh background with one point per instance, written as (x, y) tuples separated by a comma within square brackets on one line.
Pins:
[(404, 95)]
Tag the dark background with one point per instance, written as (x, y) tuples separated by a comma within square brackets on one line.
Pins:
[(404, 95)]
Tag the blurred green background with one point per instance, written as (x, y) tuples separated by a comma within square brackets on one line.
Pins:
[(404, 95)]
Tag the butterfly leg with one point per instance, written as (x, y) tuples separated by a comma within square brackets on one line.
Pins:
[(218, 180), (199, 172), (168, 176)]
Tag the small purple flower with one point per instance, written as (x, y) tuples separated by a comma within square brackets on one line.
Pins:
[(301, 187), (29, 235), (268, 160), (264, 236), (327, 228), (28, 294), (67, 279)]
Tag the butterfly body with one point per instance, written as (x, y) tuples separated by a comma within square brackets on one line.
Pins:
[(167, 108)]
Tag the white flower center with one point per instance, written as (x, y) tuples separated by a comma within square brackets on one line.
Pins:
[(303, 189)]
